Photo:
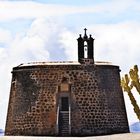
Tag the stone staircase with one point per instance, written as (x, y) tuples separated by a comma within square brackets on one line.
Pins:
[(64, 123)]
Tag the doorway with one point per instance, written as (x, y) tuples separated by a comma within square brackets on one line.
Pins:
[(64, 104), (64, 109)]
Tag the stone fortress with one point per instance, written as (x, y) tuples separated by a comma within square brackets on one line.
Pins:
[(81, 98)]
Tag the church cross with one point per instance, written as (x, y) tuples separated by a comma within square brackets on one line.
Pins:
[(85, 30)]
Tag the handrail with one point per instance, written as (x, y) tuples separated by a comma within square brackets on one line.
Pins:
[(69, 119), (57, 121)]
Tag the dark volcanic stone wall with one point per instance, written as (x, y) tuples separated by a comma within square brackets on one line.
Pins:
[(97, 105)]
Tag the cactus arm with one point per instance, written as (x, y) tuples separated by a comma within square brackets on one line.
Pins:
[(127, 88), (135, 105), (135, 78)]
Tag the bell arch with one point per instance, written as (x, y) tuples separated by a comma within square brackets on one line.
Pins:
[(85, 47)]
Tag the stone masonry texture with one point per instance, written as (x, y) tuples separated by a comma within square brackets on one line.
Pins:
[(96, 98)]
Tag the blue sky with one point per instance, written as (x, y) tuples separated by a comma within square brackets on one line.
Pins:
[(46, 30)]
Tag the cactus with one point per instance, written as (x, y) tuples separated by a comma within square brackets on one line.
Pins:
[(127, 87), (135, 81)]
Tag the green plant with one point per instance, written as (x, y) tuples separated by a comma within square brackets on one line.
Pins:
[(127, 83)]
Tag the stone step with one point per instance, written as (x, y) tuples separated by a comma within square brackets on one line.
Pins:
[(64, 123)]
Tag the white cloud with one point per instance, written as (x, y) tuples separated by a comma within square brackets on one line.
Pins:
[(118, 43), (5, 35), (30, 10), (69, 44)]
